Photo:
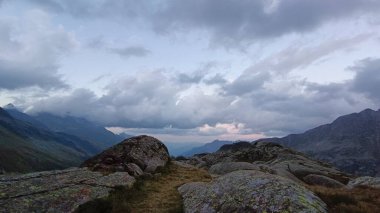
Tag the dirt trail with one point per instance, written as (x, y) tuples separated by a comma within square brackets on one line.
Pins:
[(160, 193)]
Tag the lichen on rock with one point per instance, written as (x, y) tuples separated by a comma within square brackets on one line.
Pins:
[(249, 191)]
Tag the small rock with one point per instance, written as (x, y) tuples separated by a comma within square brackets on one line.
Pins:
[(321, 180), (133, 169)]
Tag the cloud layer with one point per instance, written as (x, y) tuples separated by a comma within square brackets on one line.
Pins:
[(30, 49), (268, 104)]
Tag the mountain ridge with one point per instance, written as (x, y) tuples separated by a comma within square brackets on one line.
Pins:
[(351, 142)]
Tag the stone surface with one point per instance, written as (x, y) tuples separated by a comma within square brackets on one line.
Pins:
[(57, 191), (227, 167), (146, 152), (321, 180), (249, 191), (373, 182), (133, 170)]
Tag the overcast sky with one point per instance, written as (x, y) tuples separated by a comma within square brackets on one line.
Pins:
[(192, 70)]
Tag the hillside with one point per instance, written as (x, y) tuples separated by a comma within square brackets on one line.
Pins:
[(80, 127), (26, 148), (351, 142)]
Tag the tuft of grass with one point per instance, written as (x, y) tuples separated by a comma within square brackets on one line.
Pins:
[(343, 200), (157, 193)]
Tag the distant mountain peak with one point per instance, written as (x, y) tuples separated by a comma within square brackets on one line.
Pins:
[(10, 106), (368, 110)]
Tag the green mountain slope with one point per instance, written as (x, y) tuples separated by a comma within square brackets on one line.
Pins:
[(25, 148)]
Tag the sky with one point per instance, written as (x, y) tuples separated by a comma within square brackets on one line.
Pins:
[(192, 71)]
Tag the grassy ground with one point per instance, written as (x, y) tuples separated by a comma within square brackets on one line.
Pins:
[(357, 200), (157, 194)]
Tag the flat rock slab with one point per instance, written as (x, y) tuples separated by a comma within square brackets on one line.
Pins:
[(57, 191), (249, 191)]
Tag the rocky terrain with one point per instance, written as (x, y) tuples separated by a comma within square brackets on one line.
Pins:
[(65, 190), (241, 177), (351, 143), (264, 177)]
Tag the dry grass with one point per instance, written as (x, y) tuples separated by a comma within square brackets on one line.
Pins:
[(157, 194), (356, 200)]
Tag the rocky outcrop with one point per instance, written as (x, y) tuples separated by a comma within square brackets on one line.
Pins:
[(57, 191), (249, 191), (366, 181), (145, 152), (267, 157), (65, 190)]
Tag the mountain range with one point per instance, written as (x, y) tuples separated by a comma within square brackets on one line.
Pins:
[(207, 148), (46, 141), (351, 142)]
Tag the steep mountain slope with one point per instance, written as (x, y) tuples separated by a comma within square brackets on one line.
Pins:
[(207, 148), (351, 142), (80, 127), (25, 148)]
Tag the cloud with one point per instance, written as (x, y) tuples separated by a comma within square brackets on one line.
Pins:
[(247, 82), (119, 9), (132, 51), (31, 50), (228, 22), (300, 56), (367, 78), (231, 22), (125, 52), (156, 102)]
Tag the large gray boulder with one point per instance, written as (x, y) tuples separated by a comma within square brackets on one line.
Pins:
[(249, 191), (57, 191), (148, 153)]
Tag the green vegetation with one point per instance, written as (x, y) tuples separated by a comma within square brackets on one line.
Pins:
[(154, 194)]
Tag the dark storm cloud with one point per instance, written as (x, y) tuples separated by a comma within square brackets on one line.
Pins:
[(15, 76), (229, 22), (367, 78), (246, 20)]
